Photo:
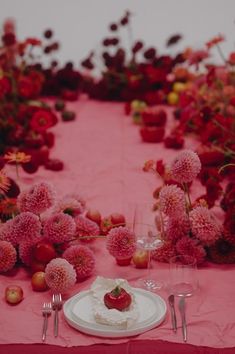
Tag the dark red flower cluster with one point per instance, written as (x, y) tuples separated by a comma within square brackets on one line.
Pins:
[(137, 73)]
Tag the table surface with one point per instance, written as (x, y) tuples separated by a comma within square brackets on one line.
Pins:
[(103, 155)]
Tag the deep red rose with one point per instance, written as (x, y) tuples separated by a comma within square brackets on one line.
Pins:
[(41, 121), (5, 86), (228, 201), (174, 141), (212, 158), (208, 173), (25, 87), (9, 39)]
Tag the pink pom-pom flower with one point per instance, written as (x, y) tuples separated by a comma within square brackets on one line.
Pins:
[(204, 226), (59, 228), (26, 250), (60, 275), (83, 260), (164, 253), (25, 226), (86, 228), (71, 204), (191, 247), (185, 167), (172, 200), (177, 227), (37, 199), (8, 256), (6, 233), (120, 242)]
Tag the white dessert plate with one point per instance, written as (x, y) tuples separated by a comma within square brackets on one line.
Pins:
[(78, 313)]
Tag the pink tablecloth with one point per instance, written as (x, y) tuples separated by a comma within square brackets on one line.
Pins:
[(103, 156)]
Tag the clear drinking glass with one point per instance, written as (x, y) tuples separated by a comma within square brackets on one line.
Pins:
[(183, 276), (148, 239)]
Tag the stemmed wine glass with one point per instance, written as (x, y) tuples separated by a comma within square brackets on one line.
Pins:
[(147, 239)]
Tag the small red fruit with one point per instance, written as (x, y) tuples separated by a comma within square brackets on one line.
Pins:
[(37, 266), (140, 259), (38, 281), (151, 134), (118, 219), (117, 299), (13, 294), (44, 251), (105, 225), (94, 215)]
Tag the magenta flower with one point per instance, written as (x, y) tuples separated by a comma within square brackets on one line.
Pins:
[(204, 226), (164, 253), (25, 226), (185, 167), (6, 233), (60, 275), (26, 250), (172, 200), (37, 199), (8, 256), (71, 204), (190, 247), (176, 228), (83, 260), (59, 228), (120, 242), (86, 227)]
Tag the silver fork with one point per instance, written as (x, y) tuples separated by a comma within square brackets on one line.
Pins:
[(56, 305), (46, 311), (182, 312)]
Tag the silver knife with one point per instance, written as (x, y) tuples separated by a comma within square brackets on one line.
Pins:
[(182, 312), (171, 300)]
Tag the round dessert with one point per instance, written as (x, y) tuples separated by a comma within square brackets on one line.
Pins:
[(117, 299)]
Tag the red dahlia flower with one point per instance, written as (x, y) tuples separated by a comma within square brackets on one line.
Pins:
[(41, 121)]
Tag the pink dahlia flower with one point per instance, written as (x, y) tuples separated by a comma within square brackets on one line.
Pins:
[(25, 226), (185, 167), (164, 253), (60, 275), (37, 199), (26, 250), (86, 227), (71, 204), (204, 226), (172, 200), (191, 247), (6, 233), (175, 228), (59, 228), (83, 260), (8, 256), (120, 242)]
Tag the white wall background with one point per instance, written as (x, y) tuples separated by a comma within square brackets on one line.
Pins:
[(80, 25)]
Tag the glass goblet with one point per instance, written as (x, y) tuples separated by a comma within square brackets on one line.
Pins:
[(148, 239)]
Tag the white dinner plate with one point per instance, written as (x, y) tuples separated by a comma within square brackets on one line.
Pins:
[(78, 313)]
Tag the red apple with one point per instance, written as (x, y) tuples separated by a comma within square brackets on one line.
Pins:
[(38, 281), (13, 294), (118, 219), (44, 251), (94, 215), (105, 225), (37, 266), (140, 259)]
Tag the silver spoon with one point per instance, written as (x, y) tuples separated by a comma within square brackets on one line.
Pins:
[(171, 300)]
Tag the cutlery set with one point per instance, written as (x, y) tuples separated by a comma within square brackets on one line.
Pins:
[(171, 300), (56, 306)]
